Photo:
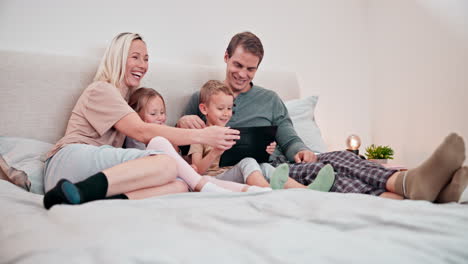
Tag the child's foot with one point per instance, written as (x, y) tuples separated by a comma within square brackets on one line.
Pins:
[(324, 180), (64, 192), (426, 181), (279, 177), (454, 190), (258, 189)]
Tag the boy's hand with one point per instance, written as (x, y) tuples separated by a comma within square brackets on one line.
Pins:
[(190, 121), (305, 156), (271, 148)]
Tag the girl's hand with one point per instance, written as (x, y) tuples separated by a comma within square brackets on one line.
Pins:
[(221, 138), (271, 148)]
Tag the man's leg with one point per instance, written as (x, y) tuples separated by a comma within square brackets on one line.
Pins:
[(427, 181), (351, 175), (454, 190)]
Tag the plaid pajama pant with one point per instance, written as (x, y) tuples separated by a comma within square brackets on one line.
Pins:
[(352, 174)]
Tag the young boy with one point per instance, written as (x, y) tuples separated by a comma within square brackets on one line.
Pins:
[(216, 102)]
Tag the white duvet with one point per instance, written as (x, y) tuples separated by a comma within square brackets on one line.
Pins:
[(287, 226)]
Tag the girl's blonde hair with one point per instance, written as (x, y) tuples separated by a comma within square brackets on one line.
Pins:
[(113, 64), (141, 96)]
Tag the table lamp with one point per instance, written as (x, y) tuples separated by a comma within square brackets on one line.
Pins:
[(353, 142)]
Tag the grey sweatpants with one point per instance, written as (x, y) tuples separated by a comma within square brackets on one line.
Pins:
[(76, 162), (244, 168)]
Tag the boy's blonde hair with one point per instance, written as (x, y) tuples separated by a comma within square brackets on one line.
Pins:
[(113, 64), (213, 87), (141, 96)]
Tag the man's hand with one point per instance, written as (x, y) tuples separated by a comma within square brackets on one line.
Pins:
[(191, 121), (305, 156), (271, 148)]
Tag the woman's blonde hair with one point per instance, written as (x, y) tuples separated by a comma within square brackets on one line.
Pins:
[(113, 63)]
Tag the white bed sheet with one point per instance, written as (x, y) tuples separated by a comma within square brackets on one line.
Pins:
[(286, 226)]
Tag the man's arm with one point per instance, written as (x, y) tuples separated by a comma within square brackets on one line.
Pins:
[(286, 135)]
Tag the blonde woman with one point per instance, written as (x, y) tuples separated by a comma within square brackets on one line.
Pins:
[(89, 164)]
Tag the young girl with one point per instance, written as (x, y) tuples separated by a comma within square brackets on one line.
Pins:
[(216, 102), (151, 108)]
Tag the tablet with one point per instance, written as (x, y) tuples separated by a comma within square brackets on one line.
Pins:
[(252, 143)]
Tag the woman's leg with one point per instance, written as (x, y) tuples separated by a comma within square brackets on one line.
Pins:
[(141, 173), (170, 188)]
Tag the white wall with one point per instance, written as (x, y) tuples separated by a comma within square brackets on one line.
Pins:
[(420, 74), (324, 41)]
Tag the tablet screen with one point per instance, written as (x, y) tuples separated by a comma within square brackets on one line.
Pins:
[(252, 143)]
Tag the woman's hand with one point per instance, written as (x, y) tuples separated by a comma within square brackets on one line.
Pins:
[(271, 148), (221, 138)]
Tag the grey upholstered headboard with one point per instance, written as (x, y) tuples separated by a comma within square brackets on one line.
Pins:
[(38, 91)]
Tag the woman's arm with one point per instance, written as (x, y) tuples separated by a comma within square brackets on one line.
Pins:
[(203, 164), (218, 137)]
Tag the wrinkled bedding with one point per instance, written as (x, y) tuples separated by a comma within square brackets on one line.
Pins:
[(286, 226)]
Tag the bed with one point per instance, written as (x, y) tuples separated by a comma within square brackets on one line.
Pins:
[(285, 226)]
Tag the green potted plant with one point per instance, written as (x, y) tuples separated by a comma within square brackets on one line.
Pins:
[(379, 154)]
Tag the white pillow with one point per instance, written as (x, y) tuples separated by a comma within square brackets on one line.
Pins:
[(22, 161), (301, 112)]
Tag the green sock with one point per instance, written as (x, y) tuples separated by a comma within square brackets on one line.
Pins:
[(279, 176), (324, 180)]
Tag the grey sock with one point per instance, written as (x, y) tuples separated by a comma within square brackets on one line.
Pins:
[(426, 181), (453, 191)]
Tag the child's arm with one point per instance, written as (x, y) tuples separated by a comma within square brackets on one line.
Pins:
[(203, 163), (271, 148)]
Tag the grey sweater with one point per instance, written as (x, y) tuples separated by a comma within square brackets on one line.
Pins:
[(260, 107)]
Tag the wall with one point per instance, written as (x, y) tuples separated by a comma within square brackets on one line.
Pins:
[(420, 74), (392, 71), (324, 41)]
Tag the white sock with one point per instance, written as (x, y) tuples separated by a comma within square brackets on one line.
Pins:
[(210, 187), (464, 196), (258, 189)]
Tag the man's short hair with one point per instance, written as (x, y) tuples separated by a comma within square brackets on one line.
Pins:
[(249, 42), (213, 87)]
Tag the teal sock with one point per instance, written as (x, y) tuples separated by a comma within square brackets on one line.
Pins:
[(279, 177), (324, 180)]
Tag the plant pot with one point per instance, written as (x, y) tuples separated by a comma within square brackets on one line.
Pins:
[(379, 161)]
